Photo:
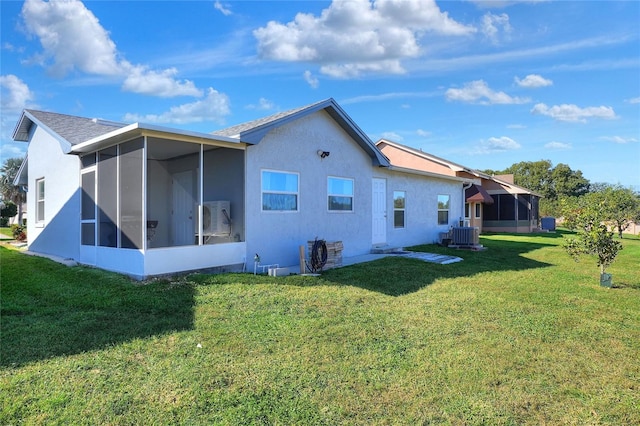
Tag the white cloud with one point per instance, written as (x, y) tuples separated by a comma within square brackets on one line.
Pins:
[(73, 40), (557, 145), (573, 113), (214, 107), (491, 25), (350, 38), (263, 105), (500, 144), (493, 145), (225, 9), (479, 92), (159, 83), (392, 136), (533, 80), (311, 80), (634, 100), (619, 139), (423, 133), (12, 149), (16, 95), (516, 126), (71, 37)]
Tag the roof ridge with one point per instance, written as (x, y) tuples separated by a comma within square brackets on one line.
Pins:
[(262, 121)]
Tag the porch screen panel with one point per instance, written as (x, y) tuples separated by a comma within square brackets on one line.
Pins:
[(490, 211), (524, 203), (507, 207), (88, 212), (108, 197), (131, 223)]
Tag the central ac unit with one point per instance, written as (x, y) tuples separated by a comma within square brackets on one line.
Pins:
[(216, 218), (465, 236)]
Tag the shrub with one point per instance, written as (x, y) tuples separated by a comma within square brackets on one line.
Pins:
[(19, 232)]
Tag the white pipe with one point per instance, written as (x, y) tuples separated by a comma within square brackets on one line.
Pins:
[(464, 200)]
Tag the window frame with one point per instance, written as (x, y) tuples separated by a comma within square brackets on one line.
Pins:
[(350, 196), (40, 201), (402, 209), (478, 211), (443, 210), (281, 192)]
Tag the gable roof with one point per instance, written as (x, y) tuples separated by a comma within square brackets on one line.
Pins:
[(477, 194), (71, 129), (253, 132), (507, 186)]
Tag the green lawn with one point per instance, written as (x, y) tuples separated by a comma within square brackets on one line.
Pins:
[(517, 334)]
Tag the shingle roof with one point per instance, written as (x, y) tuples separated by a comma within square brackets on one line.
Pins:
[(239, 129), (71, 128)]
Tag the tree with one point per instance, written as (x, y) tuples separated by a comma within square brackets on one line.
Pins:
[(568, 183), (621, 206), (9, 191), (592, 236), (533, 175), (7, 211)]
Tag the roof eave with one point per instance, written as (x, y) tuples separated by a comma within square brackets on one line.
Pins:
[(142, 129), (23, 129), (434, 175), (22, 177)]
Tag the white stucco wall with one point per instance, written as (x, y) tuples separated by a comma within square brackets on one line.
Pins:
[(60, 232), (421, 207), (276, 236)]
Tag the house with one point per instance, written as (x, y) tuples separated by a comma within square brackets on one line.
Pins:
[(147, 200), (492, 203)]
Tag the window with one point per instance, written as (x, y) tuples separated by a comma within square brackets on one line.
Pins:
[(467, 210), (398, 208), (340, 194), (279, 191), (443, 209), (40, 200), (478, 210)]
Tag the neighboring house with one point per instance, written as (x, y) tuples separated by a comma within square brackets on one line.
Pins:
[(148, 200), (492, 203)]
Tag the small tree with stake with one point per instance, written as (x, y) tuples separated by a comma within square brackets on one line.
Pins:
[(592, 238)]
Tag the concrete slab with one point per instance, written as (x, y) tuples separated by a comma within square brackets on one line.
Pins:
[(61, 260)]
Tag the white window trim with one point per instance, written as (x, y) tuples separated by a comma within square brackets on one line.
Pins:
[(297, 193), (444, 210), (403, 210), (40, 221), (352, 196)]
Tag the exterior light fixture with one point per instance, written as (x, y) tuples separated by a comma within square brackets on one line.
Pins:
[(323, 154)]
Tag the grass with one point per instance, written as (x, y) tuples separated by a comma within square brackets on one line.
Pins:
[(516, 334), (6, 231)]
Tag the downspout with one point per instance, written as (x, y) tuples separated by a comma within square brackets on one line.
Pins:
[(464, 200)]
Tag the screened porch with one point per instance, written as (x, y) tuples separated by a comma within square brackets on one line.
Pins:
[(151, 194)]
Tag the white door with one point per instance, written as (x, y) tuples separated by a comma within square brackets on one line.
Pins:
[(379, 213), (183, 205)]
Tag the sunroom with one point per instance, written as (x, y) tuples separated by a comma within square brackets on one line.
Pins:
[(155, 202)]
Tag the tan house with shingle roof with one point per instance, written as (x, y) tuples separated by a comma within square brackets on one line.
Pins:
[(492, 203)]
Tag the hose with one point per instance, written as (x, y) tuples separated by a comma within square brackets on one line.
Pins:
[(318, 256)]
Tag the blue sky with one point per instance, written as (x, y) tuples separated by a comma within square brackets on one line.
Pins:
[(482, 83)]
